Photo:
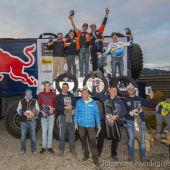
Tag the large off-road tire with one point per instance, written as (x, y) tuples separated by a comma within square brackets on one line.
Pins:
[(122, 83), (12, 121), (136, 60), (88, 82), (56, 131), (67, 78)]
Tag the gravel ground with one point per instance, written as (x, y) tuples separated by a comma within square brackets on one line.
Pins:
[(10, 158)]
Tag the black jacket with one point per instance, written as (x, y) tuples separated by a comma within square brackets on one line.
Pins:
[(60, 102)]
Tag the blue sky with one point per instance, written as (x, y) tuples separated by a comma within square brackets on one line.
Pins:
[(148, 19)]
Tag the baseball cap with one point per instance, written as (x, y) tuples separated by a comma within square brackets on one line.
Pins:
[(28, 91), (130, 86), (71, 30), (92, 25), (113, 33)]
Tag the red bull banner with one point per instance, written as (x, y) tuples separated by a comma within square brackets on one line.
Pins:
[(18, 66)]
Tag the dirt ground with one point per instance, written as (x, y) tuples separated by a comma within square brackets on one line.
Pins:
[(10, 158)]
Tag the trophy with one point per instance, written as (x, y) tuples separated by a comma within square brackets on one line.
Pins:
[(72, 12)]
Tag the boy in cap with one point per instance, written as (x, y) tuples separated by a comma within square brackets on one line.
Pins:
[(72, 52), (28, 110), (116, 49), (134, 105)]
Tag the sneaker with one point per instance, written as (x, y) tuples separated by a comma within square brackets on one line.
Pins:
[(22, 152), (34, 153), (130, 159), (97, 165), (51, 150), (42, 150), (85, 158), (144, 160), (61, 153)]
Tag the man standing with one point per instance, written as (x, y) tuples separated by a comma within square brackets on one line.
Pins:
[(47, 103), (83, 46), (65, 107), (28, 110), (72, 52), (116, 49), (86, 114), (134, 105), (97, 40), (163, 114), (58, 48), (118, 114)]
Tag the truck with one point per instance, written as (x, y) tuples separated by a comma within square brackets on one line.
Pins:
[(27, 63)]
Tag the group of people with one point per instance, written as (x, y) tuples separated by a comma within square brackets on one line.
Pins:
[(78, 45), (83, 116)]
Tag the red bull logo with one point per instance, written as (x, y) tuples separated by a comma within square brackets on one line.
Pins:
[(15, 66)]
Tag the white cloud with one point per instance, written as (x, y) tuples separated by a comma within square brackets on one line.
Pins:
[(149, 20)]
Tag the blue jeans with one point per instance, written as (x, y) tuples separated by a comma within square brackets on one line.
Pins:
[(63, 128), (131, 137), (31, 125), (47, 125), (84, 55), (117, 62)]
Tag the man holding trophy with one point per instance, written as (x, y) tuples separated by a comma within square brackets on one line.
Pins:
[(136, 125), (28, 110)]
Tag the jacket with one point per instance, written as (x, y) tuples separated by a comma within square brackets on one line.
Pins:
[(25, 104), (86, 115), (58, 48), (47, 99), (60, 102), (163, 108), (136, 101)]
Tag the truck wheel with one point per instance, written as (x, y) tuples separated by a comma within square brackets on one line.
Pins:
[(56, 131), (12, 121), (121, 83), (136, 60), (66, 78), (99, 80)]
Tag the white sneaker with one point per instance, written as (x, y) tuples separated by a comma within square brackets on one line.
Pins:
[(22, 152)]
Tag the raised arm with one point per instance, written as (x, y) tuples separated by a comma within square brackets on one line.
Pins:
[(73, 24), (102, 26)]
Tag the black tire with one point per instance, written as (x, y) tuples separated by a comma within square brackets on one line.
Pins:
[(136, 60), (123, 81), (70, 78), (47, 34), (56, 131), (12, 121), (99, 77)]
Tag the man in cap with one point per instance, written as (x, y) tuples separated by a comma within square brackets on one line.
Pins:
[(116, 49), (86, 115), (97, 40), (134, 105), (28, 110), (58, 48), (83, 45)]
